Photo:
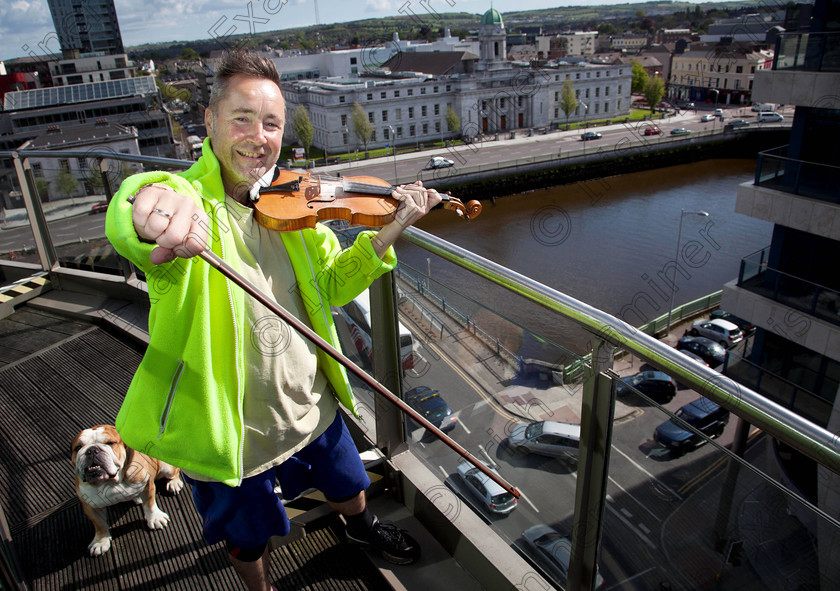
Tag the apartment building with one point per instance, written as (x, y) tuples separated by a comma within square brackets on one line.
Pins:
[(790, 290)]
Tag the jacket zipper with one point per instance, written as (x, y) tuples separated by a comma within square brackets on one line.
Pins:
[(164, 418)]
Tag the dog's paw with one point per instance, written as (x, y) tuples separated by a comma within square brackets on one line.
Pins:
[(137, 501), (157, 519), (175, 485), (99, 546)]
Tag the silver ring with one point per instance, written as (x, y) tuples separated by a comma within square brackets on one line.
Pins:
[(163, 212)]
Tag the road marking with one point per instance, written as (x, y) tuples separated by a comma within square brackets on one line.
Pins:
[(651, 476), (498, 408), (486, 455), (620, 584), (685, 488), (643, 528), (633, 528), (626, 512), (641, 504), (460, 422), (445, 473), (527, 500)]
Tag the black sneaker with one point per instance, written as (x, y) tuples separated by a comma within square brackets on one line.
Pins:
[(394, 544)]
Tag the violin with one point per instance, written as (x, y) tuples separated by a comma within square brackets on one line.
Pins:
[(295, 201)]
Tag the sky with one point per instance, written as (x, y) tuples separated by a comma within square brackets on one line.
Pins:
[(26, 27)]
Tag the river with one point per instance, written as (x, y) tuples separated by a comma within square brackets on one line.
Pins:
[(608, 242)]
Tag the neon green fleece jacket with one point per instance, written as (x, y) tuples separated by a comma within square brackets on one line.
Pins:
[(185, 403)]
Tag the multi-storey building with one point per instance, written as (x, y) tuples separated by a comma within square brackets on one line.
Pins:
[(88, 27), (407, 101), (98, 68), (721, 73), (790, 290), (629, 42), (98, 135), (579, 43)]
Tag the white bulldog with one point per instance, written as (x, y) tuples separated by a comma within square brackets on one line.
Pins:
[(109, 472)]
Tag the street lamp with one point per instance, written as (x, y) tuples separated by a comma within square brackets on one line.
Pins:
[(393, 139), (683, 213), (347, 139)]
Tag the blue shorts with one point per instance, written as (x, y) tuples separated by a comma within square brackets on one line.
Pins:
[(248, 515)]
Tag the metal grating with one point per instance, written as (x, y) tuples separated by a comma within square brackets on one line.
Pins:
[(65, 376)]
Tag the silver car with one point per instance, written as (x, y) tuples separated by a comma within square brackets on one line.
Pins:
[(548, 438), (720, 331), (553, 552), (491, 494)]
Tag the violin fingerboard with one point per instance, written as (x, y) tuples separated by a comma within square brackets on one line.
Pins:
[(357, 187)]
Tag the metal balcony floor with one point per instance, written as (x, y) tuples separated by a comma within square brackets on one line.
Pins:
[(58, 376)]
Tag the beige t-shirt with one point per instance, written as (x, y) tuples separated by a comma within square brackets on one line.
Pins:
[(288, 400)]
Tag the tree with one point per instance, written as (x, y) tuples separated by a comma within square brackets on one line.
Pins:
[(189, 54), (42, 187), (362, 127), (453, 122), (640, 77), (303, 127), (653, 92), (66, 183), (568, 100)]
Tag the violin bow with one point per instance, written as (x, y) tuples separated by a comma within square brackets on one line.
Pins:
[(216, 262)]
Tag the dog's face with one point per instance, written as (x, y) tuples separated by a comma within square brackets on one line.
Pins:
[(98, 454)]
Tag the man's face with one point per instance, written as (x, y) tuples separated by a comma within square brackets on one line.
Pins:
[(246, 131)]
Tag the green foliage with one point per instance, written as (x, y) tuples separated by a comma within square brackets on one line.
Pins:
[(640, 77), (362, 128), (66, 183), (568, 101), (42, 186), (653, 91), (189, 54), (303, 127), (453, 122)]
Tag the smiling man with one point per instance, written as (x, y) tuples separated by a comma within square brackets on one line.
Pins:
[(227, 391)]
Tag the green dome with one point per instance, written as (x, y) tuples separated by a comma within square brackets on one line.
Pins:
[(492, 17)]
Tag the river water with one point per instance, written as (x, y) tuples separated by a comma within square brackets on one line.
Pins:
[(609, 242)]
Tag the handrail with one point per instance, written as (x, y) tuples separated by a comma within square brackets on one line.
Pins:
[(812, 440)]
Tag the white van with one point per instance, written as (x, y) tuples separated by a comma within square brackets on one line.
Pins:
[(770, 117), (357, 315), (764, 107)]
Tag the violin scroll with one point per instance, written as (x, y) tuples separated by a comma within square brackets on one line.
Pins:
[(469, 211)]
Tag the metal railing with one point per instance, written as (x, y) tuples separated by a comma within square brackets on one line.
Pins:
[(756, 274), (608, 332), (810, 179)]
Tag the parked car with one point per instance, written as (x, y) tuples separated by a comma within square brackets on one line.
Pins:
[(707, 117), (491, 494), (718, 112), (722, 331), (746, 327), (439, 162), (710, 351), (680, 131), (100, 207), (591, 135), (652, 130), (706, 416), (770, 118), (739, 123), (695, 357), (547, 438), (432, 407), (552, 552), (655, 384)]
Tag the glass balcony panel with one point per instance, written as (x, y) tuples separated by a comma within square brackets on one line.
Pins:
[(696, 515), (17, 243)]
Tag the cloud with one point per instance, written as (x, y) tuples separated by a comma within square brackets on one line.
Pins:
[(378, 5)]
